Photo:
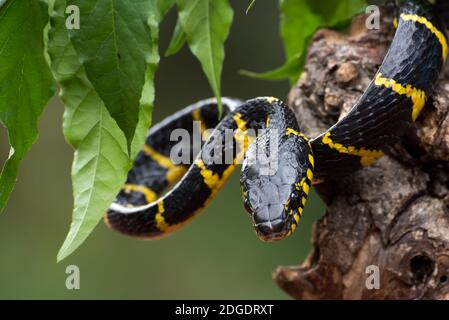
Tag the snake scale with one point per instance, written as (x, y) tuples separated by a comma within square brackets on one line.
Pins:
[(275, 192)]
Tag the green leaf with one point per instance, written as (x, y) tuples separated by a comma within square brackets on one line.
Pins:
[(26, 83), (177, 41), (101, 160), (301, 18), (157, 12), (207, 24), (333, 12), (299, 21), (163, 6), (114, 46), (281, 73)]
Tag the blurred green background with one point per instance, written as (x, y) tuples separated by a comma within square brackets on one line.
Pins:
[(218, 256)]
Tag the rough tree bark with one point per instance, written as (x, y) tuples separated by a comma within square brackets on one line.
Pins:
[(394, 214)]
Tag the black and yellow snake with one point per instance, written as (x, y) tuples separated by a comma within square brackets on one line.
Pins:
[(275, 201)]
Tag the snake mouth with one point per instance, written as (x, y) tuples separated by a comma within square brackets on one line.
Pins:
[(270, 231)]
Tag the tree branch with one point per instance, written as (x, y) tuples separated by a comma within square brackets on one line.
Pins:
[(394, 214)]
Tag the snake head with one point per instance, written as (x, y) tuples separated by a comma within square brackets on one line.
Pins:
[(275, 200)]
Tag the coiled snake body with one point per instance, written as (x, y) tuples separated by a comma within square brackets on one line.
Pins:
[(275, 201)]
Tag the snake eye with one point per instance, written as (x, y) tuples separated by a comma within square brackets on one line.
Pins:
[(295, 200)]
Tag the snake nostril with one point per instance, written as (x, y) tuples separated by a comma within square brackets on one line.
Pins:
[(265, 229)]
